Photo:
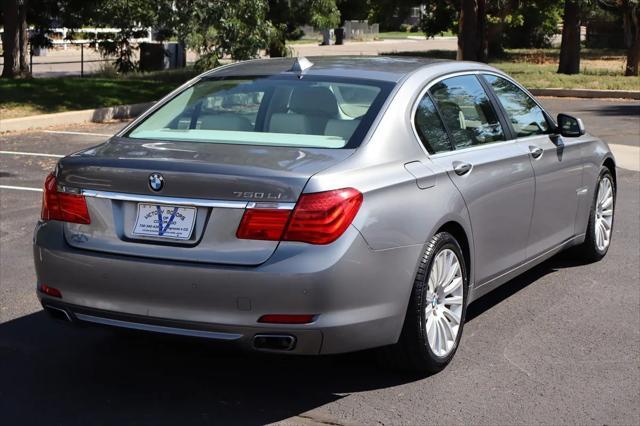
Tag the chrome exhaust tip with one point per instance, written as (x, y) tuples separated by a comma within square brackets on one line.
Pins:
[(58, 313), (274, 342)]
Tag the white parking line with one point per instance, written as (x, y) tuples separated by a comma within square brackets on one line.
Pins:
[(61, 132), (20, 188), (35, 154)]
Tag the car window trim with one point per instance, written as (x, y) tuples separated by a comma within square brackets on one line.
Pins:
[(503, 117), (360, 134), (550, 121), (438, 79), (420, 96), (452, 147)]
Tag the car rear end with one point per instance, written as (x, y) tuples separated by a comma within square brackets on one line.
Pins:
[(195, 221)]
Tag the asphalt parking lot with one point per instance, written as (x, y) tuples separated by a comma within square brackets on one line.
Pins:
[(560, 344)]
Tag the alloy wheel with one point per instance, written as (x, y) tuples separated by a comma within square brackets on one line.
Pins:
[(604, 214), (444, 303)]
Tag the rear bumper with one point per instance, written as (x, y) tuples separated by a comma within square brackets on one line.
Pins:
[(359, 295)]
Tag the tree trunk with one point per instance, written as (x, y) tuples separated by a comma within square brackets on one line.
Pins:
[(10, 42), (632, 20), (570, 47), (481, 34), (23, 40), (467, 35)]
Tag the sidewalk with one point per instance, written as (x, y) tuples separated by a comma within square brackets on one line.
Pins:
[(376, 47)]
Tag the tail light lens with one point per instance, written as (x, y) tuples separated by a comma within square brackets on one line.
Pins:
[(62, 206), (263, 224), (318, 218), (51, 291)]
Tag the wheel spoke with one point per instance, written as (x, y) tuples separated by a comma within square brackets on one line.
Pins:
[(453, 286), (435, 272), (450, 315), (437, 343), (448, 332), (431, 329), (454, 269), (453, 300), (607, 213)]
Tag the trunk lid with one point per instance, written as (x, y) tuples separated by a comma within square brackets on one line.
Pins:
[(217, 180)]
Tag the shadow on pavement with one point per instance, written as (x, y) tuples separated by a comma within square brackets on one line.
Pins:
[(55, 372), (60, 374), (560, 261), (618, 110)]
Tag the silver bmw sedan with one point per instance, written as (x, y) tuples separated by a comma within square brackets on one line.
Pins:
[(322, 205)]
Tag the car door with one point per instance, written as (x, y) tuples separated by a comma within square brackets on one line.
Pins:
[(494, 175), (556, 164)]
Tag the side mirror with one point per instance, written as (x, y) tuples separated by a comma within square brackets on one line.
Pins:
[(570, 127)]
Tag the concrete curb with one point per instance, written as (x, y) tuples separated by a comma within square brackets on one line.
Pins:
[(587, 93), (97, 115)]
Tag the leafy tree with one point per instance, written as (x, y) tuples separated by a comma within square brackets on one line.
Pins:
[(630, 10), (472, 32), (288, 15), (570, 47), (130, 16), (391, 13), (14, 39), (324, 13), (357, 10), (238, 29)]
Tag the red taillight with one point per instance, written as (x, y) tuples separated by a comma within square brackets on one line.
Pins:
[(50, 291), (321, 218), (318, 218), (263, 224), (287, 319), (62, 206)]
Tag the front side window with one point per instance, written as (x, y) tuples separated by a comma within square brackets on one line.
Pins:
[(430, 128), (525, 115), (467, 111), (307, 112)]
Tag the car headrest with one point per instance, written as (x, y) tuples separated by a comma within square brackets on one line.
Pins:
[(313, 101)]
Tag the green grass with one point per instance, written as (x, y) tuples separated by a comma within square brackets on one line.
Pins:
[(539, 76), (537, 68), (20, 98)]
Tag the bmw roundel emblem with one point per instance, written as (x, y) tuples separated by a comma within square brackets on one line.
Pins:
[(156, 181)]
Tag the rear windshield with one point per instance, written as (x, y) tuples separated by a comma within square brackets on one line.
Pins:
[(282, 111)]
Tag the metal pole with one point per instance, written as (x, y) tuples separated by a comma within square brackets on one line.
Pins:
[(81, 59), (31, 59)]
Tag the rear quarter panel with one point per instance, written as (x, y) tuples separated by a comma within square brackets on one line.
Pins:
[(396, 212)]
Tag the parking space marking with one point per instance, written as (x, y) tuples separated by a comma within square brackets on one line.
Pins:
[(20, 188), (35, 154), (64, 132)]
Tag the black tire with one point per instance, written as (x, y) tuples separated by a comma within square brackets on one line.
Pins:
[(412, 352), (588, 251)]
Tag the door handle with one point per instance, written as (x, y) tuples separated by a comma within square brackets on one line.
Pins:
[(536, 151), (461, 168)]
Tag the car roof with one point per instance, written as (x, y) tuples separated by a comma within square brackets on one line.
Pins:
[(382, 68)]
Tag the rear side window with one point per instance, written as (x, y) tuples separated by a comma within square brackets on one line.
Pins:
[(467, 111), (430, 128), (525, 115), (309, 112)]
